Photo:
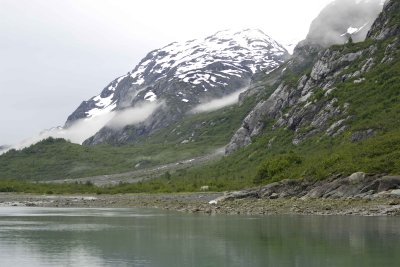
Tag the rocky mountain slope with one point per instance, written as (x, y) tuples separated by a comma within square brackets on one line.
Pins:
[(323, 115), (326, 113), (304, 100), (179, 77)]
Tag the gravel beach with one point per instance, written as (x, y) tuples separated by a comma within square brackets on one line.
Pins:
[(199, 203)]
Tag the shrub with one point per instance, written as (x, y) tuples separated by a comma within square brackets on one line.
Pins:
[(273, 168)]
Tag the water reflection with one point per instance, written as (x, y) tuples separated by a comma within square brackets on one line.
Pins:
[(137, 237)]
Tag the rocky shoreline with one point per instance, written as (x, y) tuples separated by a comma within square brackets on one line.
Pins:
[(359, 185), (200, 203), (358, 194)]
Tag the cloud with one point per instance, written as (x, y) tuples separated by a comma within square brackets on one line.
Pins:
[(344, 16), (133, 115), (76, 133), (82, 129), (219, 103), (37, 35)]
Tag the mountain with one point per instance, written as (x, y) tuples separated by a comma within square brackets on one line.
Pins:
[(325, 113), (342, 19), (387, 25), (333, 111), (313, 70), (179, 77)]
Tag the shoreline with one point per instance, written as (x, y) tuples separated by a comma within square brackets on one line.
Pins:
[(199, 203)]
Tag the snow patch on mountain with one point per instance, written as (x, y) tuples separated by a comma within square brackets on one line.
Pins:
[(344, 18), (184, 75), (353, 30), (103, 105), (249, 45), (236, 52), (150, 96)]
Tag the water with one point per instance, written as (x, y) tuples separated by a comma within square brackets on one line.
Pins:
[(137, 237)]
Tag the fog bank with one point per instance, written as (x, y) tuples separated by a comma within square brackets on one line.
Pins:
[(219, 103), (82, 129)]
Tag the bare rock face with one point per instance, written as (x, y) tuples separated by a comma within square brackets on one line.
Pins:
[(306, 107), (240, 139), (356, 186), (388, 183), (387, 24), (357, 177), (361, 135), (253, 123)]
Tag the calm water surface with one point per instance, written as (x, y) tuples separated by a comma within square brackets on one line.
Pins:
[(140, 237)]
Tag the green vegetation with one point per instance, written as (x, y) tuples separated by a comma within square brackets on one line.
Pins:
[(58, 159), (374, 103), (274, 167), (253, 166), (42, 188)]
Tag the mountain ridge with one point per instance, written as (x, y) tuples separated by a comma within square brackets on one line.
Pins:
[(324, 114), (295, 91), (184, 75)]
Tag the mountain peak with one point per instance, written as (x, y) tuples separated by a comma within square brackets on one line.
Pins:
[(231, 34), (248, 45), (182, 75)]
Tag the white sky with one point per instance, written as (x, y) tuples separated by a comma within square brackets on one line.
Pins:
[(56, 53)]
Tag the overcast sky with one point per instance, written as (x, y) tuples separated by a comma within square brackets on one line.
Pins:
[(56, 53)]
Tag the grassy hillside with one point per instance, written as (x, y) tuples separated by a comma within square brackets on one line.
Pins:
[(374, 104), (58, 159)]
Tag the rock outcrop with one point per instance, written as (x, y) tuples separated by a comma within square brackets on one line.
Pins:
[(358, 185), (307, 107), (304, 101), (388, 23)]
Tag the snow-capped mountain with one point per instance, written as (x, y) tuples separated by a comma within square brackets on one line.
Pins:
[(342, 19), (181, 76)]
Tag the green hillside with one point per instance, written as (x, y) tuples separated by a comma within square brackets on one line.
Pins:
[(58, 159), (374, 104), (368, 140)]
